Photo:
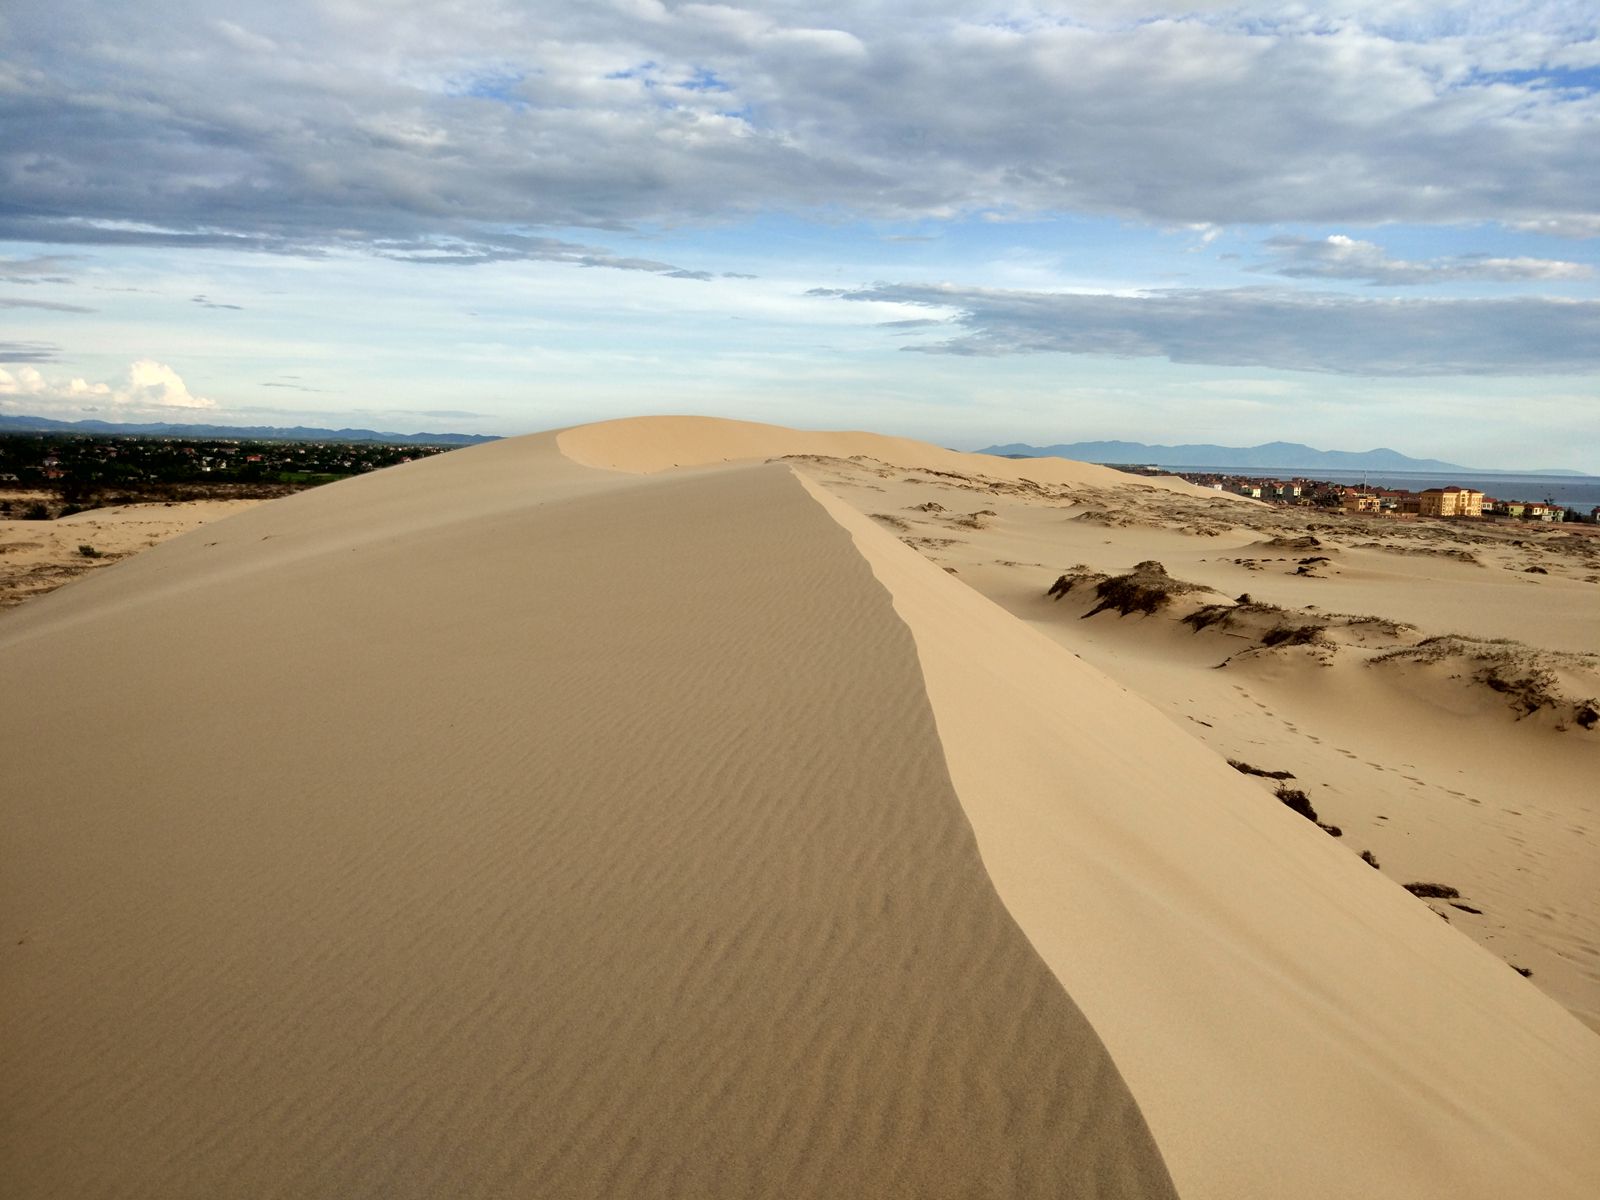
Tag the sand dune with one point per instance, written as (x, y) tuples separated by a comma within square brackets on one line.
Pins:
[(615, 813), (1420, 759)]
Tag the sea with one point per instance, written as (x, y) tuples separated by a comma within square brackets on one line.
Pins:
[(1581, 492)]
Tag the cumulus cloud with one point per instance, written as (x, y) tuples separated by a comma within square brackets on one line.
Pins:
[(304, 125), (1342, 257), (145, 385), (1265, 327)]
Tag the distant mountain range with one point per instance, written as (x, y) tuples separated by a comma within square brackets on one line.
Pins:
[(264, 433), (1278, 456)]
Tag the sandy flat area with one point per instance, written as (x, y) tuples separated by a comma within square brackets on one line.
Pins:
[(679, 807), (39, 556)]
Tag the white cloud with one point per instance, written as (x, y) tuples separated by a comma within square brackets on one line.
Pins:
[(145, 386)]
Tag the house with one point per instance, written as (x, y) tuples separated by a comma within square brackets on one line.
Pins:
[(1360, 502), (1450, 502), (1528, 510)]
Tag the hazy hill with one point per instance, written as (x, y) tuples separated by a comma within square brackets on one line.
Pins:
[(1268, 456), (294, 433)]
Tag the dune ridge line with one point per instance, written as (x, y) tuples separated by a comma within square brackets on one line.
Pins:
[(594, 845)]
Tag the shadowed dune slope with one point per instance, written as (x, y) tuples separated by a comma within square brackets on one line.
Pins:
[(1289, 1021), (497, 827)]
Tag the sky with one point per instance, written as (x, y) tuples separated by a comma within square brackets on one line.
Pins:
[(1351, 224)]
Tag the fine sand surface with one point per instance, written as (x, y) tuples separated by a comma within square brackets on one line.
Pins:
[(618, 813)]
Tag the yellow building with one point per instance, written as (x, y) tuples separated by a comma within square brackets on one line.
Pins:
[(1360, 502), (1450, 502)]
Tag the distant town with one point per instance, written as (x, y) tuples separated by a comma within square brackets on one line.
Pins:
[(1441, 502), (62, 474)]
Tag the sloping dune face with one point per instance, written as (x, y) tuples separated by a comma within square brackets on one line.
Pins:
[(501, 827)]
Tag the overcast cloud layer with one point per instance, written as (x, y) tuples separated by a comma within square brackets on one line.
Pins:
[(1255, 327), (305, 123)]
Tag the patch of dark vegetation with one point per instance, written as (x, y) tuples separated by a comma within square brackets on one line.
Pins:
[(1523, 971), (1145, 589), (1225, 615), (1296, 799), (1535, 571), (1528, 693), (1247, 769), (1371, 859), (1293, 635), (1478, 912), (1211, 614), (1330, 830), (1078, 576), (1525, 676), (892, 522), (1433, 891), (89, 552), (932, 506)]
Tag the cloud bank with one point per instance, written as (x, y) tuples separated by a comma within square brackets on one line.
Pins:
[(1342, 257), (1265, 327)]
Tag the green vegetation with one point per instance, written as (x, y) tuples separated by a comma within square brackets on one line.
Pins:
[(94, 471)]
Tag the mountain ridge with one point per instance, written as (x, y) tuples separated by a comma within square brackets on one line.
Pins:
[(1268, 455), (269, 433)]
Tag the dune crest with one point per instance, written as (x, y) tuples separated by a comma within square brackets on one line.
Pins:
[(650, 444), (594, 843)]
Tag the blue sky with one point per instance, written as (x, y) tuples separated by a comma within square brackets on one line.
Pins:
[(1351, 224)]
